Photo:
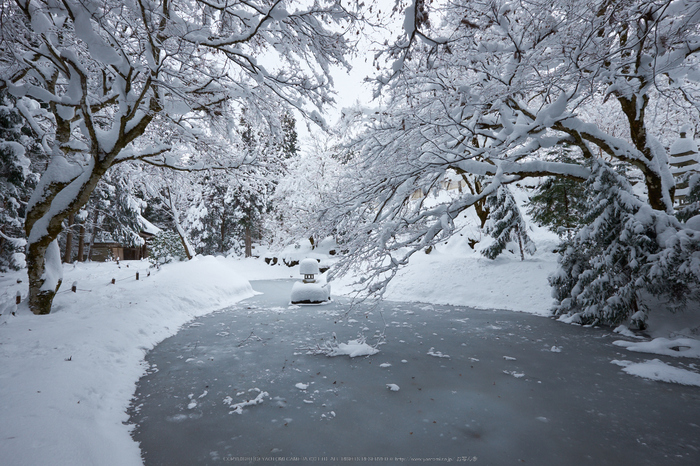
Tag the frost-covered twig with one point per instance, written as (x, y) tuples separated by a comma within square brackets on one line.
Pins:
[(238, 407), (352, 348)]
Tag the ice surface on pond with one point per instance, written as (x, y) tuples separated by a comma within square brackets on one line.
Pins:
[(413, 402)]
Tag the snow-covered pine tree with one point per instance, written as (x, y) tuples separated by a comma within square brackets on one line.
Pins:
[(121, 210), (506, 224), (603, 269), (289, 146), (165, 247), (212, 217), (558, 203), (17, 180)]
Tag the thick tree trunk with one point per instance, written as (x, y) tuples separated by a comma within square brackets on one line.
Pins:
[(67, 257), (45, 275)]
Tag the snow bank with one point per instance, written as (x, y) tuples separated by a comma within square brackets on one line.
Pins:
[(68, 377), (660, 371), (456, 274), (678, 347)]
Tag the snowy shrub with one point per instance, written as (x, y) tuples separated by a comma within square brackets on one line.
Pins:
[(625, 252), (675, 270), (506, 224), (165, 247)]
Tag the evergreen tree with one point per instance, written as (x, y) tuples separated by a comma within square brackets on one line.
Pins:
[(17, 180), (113, 213), (558, 203), (212, 218), (604, 267), (289, 146), (165, 247), (506, 224)]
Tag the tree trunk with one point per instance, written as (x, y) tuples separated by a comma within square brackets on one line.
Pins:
[(248, 242), (520, 244), (67, 257), (81, 243), (45, 275), (93, 235)]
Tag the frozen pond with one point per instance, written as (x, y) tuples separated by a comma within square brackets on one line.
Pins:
[(449, 384)]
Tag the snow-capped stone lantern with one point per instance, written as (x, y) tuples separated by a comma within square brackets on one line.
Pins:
[(683, 158), (308, 268), (311, 290)]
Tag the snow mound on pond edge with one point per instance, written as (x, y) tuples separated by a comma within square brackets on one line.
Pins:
[(68, 377), (679, 347), (659, 371)]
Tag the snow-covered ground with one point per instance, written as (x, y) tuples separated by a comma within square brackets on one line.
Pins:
[(66, 379)]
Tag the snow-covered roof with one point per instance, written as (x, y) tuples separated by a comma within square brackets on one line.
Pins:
[(148, 227)]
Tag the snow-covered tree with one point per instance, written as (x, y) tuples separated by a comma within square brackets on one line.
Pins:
[(491, 87), (558, 203), (314, 179), (506, 224), (119, 217), (625, 252), (603, 268), (106, 82), (228, 211), (16, 181), (165, 247)]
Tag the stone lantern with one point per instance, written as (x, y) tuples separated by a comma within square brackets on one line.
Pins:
[(311, 290), (683, 158), (308, 268)]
